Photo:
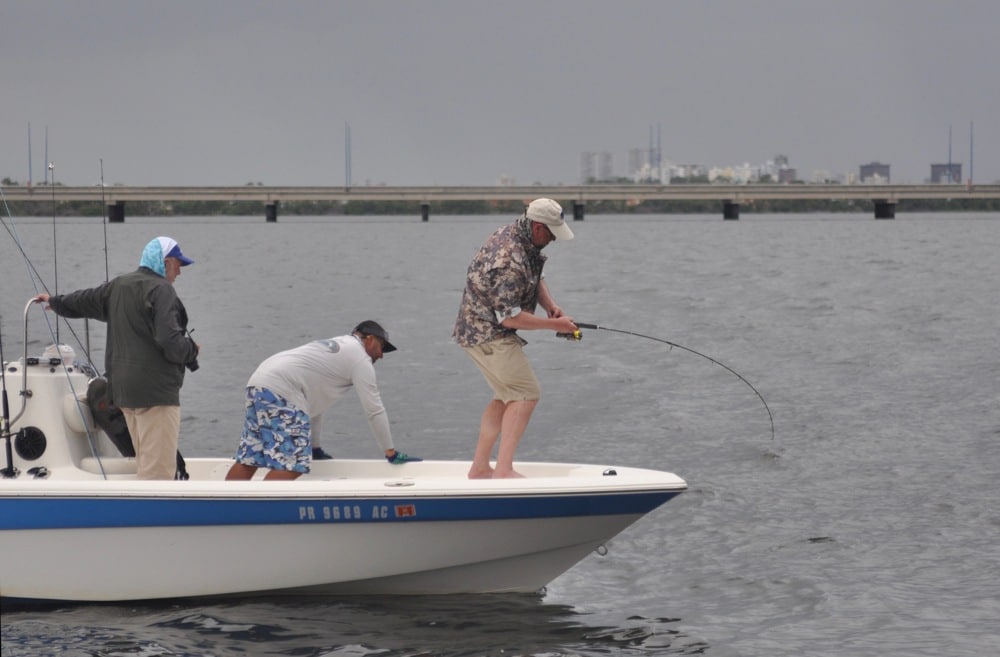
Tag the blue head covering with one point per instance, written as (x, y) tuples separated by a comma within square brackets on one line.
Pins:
[(160, 248)]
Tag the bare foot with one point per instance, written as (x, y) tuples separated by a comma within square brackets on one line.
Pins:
[(481, 473), (507, 474)]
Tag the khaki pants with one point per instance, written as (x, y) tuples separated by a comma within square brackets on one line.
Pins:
[(155, 431)]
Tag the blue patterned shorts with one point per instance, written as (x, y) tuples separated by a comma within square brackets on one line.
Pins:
[(276, 434)]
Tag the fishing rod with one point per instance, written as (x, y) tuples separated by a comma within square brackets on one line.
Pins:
[(55, 247), (576, 335), (107, 275), (104, 204), (10, 471)]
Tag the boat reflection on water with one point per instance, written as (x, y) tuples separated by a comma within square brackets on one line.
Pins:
[(443, 626)]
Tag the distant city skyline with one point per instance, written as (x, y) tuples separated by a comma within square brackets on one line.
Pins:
[(650, 164), (643, 164), (469, 92)]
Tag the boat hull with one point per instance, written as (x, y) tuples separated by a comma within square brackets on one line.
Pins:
[(433, 558), (76, 524), (430, 532)]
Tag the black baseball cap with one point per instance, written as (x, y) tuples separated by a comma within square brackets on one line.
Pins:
[(371, 327)]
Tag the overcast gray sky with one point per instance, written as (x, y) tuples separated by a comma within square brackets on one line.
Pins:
[(461, 92)]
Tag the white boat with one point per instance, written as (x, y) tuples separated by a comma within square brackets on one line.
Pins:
[(76, 525)]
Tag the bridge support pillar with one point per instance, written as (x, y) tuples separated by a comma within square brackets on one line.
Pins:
[(271, 212), (425, 211), (578, 207), (116, 213), (885, 210), (730, 210)]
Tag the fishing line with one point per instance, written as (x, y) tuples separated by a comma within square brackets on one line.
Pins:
[(33, 274), (688, 349), (37, 282)]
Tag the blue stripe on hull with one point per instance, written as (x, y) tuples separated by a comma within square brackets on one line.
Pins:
[(74, 512)]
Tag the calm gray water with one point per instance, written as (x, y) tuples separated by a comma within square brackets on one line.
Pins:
[(868, 525)]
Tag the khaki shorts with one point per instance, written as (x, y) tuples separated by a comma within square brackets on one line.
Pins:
[(506, 369)]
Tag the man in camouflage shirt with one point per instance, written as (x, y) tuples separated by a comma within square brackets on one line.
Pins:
[(503, 288)]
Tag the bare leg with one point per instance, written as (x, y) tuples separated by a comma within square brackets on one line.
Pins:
[(489, 430), (515, 421), (282, 475), (240, 471)]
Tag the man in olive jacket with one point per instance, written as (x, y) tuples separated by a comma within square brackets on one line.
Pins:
[(147, 349)]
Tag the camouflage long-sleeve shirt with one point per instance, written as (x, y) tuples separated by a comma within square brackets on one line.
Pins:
[(502, 281)]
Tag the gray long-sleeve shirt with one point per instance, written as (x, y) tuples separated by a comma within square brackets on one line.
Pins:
[(315, 376)]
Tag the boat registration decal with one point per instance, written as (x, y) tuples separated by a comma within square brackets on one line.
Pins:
[(406, 510), (335, 512)]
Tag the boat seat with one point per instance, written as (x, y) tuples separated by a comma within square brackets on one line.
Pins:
[(77, 414), (112, 465)]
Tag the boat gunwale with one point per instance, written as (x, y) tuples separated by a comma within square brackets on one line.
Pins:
[(580, 479)]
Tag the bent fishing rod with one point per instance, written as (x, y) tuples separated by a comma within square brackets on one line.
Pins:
[(576, 335)]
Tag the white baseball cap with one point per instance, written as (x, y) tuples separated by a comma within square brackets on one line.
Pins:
[(548, 212)]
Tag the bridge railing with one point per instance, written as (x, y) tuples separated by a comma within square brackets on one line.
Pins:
[(731, 197), (578, 193)]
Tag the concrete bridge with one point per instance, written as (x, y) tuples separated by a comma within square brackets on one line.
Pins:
[(730, 197)]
